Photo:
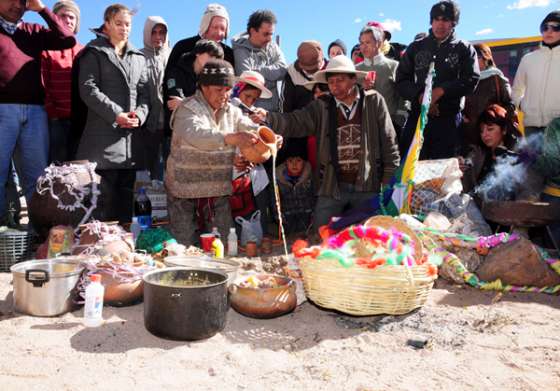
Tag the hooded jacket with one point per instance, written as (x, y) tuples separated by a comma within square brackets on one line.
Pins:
[(268, 61), (156, 61), (110, 85), (456, 69), (295, 94), (536, 86)]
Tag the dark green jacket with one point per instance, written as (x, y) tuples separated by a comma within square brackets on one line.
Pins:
[(548, 164)]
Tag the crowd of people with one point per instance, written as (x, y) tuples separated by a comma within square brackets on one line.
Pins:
[(185, 113)]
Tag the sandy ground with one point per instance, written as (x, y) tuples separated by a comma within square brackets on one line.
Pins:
[(477, 341)]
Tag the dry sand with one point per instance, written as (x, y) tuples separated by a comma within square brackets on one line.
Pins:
[(477, 341)]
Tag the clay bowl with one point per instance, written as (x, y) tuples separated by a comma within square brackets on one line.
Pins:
[(265, 303), (263, 149), (119, 294)]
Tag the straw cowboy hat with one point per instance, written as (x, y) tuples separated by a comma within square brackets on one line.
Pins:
[(339, 64), (256, 80)]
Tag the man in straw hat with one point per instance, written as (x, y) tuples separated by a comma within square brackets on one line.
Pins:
[(356, 142), (457, 75), (206, 130)]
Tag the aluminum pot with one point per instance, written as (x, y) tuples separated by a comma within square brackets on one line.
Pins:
[(185, 304), (46, 287), (196, 262)]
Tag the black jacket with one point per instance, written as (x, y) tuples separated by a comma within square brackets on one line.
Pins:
[(186, 45), (456, 68), (180, 80), (294, 93)]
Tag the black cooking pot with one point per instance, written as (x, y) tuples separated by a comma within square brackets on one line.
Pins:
[(185, 304)]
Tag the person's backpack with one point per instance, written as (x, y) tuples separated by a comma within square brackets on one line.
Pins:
[(241, 200)]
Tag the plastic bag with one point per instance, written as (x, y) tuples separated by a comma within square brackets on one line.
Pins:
[(251, 230)]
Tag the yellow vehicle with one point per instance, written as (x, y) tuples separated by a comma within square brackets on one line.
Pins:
[(508, 52)]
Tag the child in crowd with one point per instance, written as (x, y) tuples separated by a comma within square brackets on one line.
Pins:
[(296, 189), (251, 188)]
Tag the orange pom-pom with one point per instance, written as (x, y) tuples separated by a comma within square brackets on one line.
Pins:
[(432, 270), (299, 245)]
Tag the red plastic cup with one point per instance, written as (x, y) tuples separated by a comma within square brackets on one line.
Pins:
[(371, 76), (206, 242)]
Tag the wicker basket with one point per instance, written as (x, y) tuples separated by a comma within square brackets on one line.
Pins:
[(15, 246), (393, 290)]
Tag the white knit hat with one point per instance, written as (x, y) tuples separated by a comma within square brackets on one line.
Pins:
[(212, 10)]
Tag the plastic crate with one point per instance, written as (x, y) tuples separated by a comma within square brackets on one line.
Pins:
[(15, 246)]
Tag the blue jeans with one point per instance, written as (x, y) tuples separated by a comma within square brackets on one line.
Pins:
[(328, 207), (23, 128)]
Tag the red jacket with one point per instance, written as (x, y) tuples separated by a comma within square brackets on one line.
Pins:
[(20, 54), (56, 68)]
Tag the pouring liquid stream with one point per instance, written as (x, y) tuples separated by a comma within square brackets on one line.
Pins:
[(277, 199)]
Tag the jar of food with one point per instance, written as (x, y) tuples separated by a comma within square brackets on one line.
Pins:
[(266, 245), (251, 249)]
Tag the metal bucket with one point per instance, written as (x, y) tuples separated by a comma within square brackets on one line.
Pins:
[(46, 287)]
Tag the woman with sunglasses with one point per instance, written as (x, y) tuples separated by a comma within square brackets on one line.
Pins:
[(537, 81)]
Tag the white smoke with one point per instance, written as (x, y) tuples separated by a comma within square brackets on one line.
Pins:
[(511, 172)]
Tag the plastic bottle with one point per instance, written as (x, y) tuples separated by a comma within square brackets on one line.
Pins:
[(218, 248), (216, 233), (135, 228), (93, 309), (232, 242), (143, 209)]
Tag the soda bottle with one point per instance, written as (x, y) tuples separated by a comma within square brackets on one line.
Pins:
[(143, 209), (93, 308), (215, 232), (232, 242)]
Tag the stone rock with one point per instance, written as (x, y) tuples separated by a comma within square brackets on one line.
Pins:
[(517, 263)]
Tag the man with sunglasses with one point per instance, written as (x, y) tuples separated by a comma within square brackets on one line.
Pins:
[(457, 75), (537, 81)]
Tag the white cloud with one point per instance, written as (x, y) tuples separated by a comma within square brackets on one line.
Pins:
[(392, 25), (522, 4), (358, 20), (381, 14), (484, 31)]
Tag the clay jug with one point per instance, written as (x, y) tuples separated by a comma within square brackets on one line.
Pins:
[(263, 149), (64, 195)]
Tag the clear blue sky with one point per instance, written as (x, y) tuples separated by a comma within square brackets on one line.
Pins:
[(327, 20)]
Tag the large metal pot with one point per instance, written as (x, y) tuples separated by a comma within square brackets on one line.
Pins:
[(46, 287), (197, 262), (185, 304)]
